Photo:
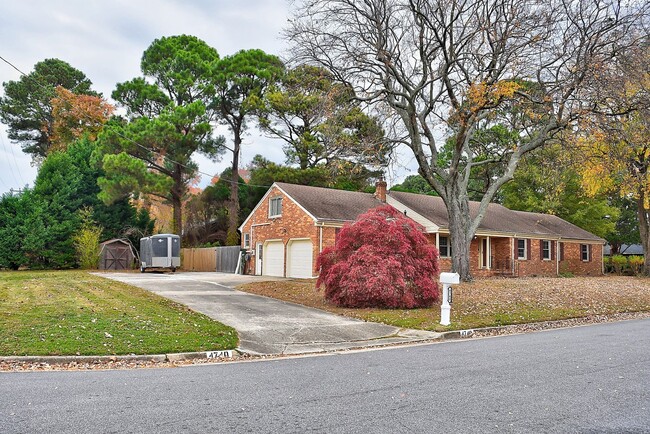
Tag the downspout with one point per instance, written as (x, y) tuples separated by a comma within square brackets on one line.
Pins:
[(253, 246), (320, 239), (512, 252), (557, 257), (489, 254)]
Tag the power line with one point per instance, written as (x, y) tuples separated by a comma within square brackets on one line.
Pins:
[(119, 133), (20, 174), (11, 167)]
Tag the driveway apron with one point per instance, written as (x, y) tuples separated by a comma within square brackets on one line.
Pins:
[(266, 325)]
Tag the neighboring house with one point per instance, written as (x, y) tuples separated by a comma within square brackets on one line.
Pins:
[(292, 224), (625, 250)]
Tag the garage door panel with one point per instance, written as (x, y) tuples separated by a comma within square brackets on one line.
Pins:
[(273, 262), (300, 257)]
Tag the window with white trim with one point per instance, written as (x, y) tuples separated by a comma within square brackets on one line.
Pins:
[(247, 240), (584, 252), (444, 247), (521, 249), (275, 207), (546, 250)]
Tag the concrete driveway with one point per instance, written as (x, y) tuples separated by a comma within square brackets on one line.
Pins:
[(265, 325)]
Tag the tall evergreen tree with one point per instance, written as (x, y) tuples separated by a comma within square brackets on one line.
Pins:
[(321, 122), (169, 121), (26, 107), (37, 228), (241, 80)]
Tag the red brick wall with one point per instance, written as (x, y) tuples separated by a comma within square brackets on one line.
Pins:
[(573, 263), (500, 249), (329, 237), (294, 223), (534, 265)]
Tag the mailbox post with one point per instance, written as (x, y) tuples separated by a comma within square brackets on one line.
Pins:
[(447, 279)]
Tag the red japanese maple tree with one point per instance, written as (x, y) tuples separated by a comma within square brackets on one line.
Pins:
[(381, 260)]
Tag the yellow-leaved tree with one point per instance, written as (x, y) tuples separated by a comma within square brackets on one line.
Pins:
[(616, 139), (86, 240)]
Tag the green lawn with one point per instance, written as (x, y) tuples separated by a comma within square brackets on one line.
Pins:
[(76, 313), (490, 302)]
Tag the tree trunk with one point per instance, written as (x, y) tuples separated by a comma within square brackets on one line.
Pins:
[(644, 230), (232, 238), (459, 231), (177, 201)]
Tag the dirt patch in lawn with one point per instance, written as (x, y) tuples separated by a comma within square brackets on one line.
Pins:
[(490, 302)]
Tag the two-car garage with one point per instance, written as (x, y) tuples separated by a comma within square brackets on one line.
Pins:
[(299, 258)]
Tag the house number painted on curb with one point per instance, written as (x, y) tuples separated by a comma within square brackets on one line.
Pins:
[(466, 333), (218, 354)]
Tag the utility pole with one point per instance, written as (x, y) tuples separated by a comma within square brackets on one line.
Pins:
[(17, 190)]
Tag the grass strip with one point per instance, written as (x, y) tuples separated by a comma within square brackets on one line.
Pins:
[(76, 313)]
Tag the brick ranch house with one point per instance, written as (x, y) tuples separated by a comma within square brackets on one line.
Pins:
[(292, 224)]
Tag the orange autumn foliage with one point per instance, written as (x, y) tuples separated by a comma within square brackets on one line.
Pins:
[(74, 116)]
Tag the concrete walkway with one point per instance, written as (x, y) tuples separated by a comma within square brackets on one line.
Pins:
[(265, 325)]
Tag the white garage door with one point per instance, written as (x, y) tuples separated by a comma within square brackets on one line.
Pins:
[(300, 259), (273, 259)]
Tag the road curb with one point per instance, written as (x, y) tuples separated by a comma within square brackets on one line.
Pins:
[(157, 358), (542, 325), (229, 354), (462, 334)]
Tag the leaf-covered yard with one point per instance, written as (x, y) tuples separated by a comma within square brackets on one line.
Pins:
[(74, 312), (490, 302)]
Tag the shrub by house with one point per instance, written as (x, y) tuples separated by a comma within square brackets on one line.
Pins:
[(382, 259)]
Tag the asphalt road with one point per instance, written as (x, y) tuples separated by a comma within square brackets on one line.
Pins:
[(593, 379), (267, 326)]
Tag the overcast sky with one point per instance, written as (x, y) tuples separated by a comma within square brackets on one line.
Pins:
[(105, 40)]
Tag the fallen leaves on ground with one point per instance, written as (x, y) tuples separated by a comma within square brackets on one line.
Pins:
[(491, 302)]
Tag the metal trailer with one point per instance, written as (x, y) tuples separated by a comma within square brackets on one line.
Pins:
[(160, 251)]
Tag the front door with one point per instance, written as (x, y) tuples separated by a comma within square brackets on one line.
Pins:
[(484, 253), (259, 248)]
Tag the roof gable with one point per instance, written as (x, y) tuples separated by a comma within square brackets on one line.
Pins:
[(326, 204), (270, 191)]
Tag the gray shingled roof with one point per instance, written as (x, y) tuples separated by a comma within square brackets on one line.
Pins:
[(497, 218), (327, 204), (625, 249)]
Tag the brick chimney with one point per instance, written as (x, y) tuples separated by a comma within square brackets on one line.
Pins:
[(380, 190)]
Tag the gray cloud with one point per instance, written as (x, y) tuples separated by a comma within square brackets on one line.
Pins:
[(105, 40)]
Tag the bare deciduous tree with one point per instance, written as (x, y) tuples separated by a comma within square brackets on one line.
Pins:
[(614, 144), (441, 69)]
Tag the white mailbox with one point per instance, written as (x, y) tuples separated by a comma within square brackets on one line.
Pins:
[(450, 278), (447, 279)]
